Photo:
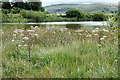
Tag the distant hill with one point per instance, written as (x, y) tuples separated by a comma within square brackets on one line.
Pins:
[(62, 8)]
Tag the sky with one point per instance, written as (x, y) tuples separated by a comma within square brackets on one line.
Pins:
[(51, 2)]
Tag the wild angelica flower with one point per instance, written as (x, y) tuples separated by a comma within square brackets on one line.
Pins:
[(26, 38), (20, 31), (25, 45), (30, 30), (21, 35), (101, 38), (14, 35), (97, 28), (16, 31), (65, 28), (104, 36), (69, 32), (61, 29), (19, 45), (36, 35), (12, 40), (96, 34), (36, 27), (95, 31), (31, 27), (79, 31), (105, 30)]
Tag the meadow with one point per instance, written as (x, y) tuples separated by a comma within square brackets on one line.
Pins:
[(51, 52)]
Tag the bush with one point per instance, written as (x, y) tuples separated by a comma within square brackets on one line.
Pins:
[(15, 10), (99, 16), (74, 13), (33, 15), (5, 11)]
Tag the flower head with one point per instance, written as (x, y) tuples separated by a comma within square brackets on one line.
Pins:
[(26, 38), (101, 38)]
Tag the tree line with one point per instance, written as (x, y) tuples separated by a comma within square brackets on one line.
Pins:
[(28, 5)]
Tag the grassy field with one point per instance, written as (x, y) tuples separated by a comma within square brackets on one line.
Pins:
[(30, 52)]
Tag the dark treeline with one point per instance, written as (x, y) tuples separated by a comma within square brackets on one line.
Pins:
[(37, 5)]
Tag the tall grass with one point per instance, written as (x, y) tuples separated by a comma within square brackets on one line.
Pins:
[(61, 53)]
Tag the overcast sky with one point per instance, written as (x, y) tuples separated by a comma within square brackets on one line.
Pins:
[(50, 2)]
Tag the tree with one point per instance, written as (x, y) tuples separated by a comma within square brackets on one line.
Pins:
[(29, 5), (6, 5), (74, 13), (99, 16), (36, 5)]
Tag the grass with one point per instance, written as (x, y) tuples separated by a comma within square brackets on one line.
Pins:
[(60, 53)]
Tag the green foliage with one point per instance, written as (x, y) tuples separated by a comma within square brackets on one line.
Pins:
[(35, 15), (74, 13), (5, 18), (15, 10), (99, 16), (37, 6), (6, 5), (6, 11)]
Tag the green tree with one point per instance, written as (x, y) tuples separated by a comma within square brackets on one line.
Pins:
[(36, 5), (74, 13), (6, 5), (99, 16)]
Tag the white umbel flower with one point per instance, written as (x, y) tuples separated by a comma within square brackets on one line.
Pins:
[(26, 38), (101, 38)]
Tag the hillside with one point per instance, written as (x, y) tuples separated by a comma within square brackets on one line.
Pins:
[(62, 8)]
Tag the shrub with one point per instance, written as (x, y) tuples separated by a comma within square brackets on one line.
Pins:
[(74, 13), (33, 15), (5, 11), (99, 16), (15, 10)]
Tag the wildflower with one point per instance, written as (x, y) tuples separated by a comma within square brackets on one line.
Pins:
[(65, 28), (61, 29), (97, 28), (54, 32), (19, 30), (31, 34), (105, 30), (79, 31), (96, 34), (88, 36), (14, 35), (69, 32), (104, 36), (101, 38), (36, 35), (19, 45), (16, 31), (99, 45), (12, 40), (36, 27), (26, 38), (80, 34), (25, 45), (21, 35), (30, 30), (23, 41), (31, 27), (95, 31)]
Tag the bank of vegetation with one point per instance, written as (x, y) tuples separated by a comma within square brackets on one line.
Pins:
[(34, 12)]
